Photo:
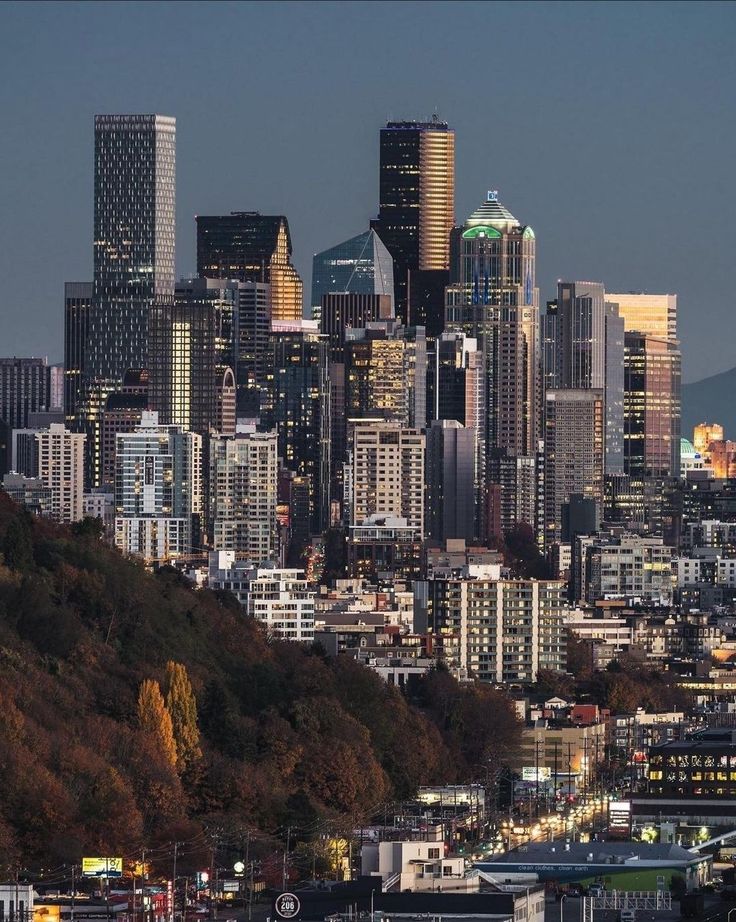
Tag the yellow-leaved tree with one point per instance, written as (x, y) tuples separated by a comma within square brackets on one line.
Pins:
[(155, 719), (182, 705)]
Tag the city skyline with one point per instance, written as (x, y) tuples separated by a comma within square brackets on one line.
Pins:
[(650, 117)]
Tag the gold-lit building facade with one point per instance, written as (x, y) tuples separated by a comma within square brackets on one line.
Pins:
[(655, 315)]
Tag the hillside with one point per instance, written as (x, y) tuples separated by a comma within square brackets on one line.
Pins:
[(287, 736), (710, 400)]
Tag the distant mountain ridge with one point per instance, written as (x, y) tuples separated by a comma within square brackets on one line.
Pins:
[(710, 400)]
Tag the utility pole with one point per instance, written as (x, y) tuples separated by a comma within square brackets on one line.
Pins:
[(71, 914), (247, 863), (173, 888), (284, 875)]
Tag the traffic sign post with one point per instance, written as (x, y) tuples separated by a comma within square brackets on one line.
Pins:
[(287, 906)]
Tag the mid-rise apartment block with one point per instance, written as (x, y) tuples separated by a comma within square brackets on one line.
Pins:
[(61, 469)]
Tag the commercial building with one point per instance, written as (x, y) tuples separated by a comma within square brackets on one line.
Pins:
[(193, 357), (344, 312), (589, 353), (573, 453), (298, 407), (496, 629), (387, 474), (158, 490), (493, 297), (243, 481), (77, 303), (61, 469), (652, 372), (416, 214), (567, 755), (25, 388), (279, 598), (650, 314), (359, 266), (30, 492), (704, 434), (122, 412), (384, 546), (452, 489), (251, 247)]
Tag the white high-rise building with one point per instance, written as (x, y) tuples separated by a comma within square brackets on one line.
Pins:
[(158, 489), (242, 494), (280, 598), (61, 468), (387, 473)]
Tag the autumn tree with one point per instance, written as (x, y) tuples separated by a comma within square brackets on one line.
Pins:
[(155, 719), (182, 706)]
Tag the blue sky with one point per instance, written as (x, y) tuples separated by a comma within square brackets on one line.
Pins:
[(607, 126)]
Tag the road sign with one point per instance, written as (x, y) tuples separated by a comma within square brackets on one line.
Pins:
[(287, 906)]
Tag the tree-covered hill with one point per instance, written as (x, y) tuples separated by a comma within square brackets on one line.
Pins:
[(92, 762)]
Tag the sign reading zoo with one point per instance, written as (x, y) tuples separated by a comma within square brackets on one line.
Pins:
[(287, 906)]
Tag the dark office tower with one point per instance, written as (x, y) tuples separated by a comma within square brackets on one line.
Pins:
[(493, 297), (25, 388), (652, 372), (573, 453), (77, 301), (122, 413), (589, 354), (298, 406), (416, 215), (192, 351), (450, 476), (359, 266), (251, 247), (342, 312), (134, 235)]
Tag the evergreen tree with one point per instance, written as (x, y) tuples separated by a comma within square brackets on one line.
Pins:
[(182, 706), (17, 545), (154, 718)]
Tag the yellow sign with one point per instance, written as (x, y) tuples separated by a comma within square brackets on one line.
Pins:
[(102, 867)]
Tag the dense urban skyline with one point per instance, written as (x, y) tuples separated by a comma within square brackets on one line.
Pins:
[(616, 144)]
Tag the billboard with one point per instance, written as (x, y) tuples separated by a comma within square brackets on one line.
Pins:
[(530, 773), (619, 818), (102, 867)]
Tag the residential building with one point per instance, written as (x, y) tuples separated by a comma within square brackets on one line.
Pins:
[(493, 628), (384, 546), (61, 469), (251, 247), (359, 266), (30, 492), (279, 598), (243, 481), (158, 490), (416, 214), (387, 474), (623, 566), (573, 453), (122, 412)]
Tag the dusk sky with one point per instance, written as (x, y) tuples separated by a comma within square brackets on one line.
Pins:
[(609, 127)]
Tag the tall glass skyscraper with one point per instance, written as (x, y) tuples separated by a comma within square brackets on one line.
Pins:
[(361, 265), (417, 210), (134, 238)]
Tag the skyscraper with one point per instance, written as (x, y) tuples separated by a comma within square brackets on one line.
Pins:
[(360, 266), (652, 374), (77, 302), (340, 313), (192, 350), (251, 247), (493, 298), (25, 388), (589, 353), (417, 213), (134, 241), (653, 314), (450, 476), (573, 453), (298, 406)]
